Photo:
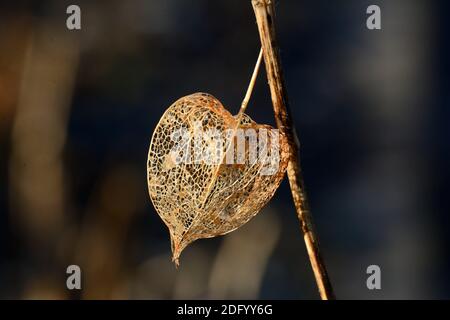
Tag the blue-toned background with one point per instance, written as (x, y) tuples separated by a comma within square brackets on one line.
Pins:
[(77, 110)]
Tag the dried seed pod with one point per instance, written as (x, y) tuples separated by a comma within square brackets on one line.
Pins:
[(205, 187)]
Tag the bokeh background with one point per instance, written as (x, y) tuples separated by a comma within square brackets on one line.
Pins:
[(77, 110)]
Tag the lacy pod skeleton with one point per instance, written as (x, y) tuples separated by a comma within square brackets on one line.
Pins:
[(210, 172)]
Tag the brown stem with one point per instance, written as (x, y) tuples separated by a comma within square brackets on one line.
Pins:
[(264, 12)]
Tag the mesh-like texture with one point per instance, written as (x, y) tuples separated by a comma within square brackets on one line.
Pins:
[(196, 199)]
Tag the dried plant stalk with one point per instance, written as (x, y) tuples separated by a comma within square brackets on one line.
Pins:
[(265, 18)]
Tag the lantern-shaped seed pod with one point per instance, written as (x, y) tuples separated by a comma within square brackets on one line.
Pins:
[(208, 174)]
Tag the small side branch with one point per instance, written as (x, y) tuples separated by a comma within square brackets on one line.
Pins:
[(264, 12), (251, 85)]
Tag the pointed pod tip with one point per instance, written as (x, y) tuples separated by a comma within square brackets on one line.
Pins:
[(177, 262), (176, 251), (176, 258)]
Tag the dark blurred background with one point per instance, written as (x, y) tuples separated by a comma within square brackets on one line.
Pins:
[(78, 108)]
